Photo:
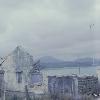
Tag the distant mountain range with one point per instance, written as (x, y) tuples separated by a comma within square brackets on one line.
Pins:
[(49, 59), (51, 62)]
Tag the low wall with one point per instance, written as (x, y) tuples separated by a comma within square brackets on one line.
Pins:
[(17, 95)]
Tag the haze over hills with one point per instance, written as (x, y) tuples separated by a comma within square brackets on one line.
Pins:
[(51, 62), (49, 59)]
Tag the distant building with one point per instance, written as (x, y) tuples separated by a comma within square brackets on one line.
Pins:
[(62, 85), (98, 73), (72, 85), (87, 84)]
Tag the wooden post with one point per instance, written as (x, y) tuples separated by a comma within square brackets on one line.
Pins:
[(27, 93)]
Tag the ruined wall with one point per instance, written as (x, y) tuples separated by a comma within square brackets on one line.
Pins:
[(1, 85)]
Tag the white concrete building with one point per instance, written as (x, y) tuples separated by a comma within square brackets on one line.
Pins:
[(20, 71)]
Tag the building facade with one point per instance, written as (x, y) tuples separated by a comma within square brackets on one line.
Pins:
[(20, 70), (72, 85), (87, 84), (62, 85)]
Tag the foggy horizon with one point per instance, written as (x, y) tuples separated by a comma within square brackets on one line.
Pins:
[(51, 28)]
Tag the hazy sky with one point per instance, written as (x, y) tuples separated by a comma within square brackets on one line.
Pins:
[(58, 28)]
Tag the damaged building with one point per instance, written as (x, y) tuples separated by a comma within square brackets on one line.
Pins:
[(72, 85), (18, 71)]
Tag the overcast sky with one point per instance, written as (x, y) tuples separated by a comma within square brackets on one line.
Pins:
[(58, 28)]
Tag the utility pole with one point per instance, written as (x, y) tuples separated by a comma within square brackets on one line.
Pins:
[(92, 33), (78, 65), (79, 69)]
